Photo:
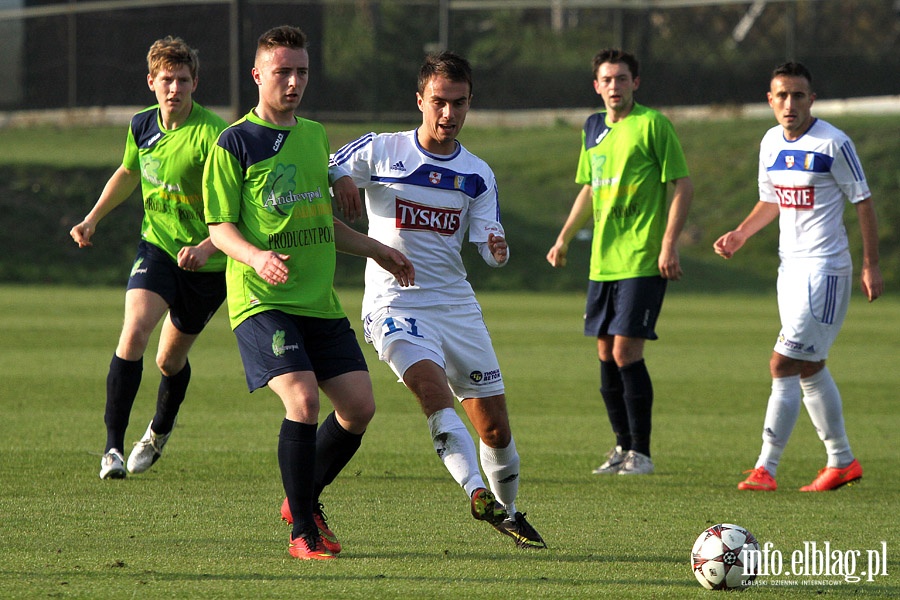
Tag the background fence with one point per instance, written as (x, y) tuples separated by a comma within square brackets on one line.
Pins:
[(528, 54)]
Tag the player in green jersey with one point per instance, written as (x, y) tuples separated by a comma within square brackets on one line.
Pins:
[(177, 270), (629, 155), (266, 192)]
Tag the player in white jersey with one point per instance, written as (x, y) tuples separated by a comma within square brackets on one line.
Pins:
[(424, 190), (807, 168)]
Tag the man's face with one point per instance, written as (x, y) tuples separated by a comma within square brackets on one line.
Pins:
[(791, 99), (282, 74), (173, 89), (444, 105), (616, 86)]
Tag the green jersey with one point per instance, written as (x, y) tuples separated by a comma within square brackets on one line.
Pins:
[(272, 183), (628, 164), (171, 165)]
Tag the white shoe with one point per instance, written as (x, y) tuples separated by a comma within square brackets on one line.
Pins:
[(112, 465), (636, 464), (615, 459), (147, 451)]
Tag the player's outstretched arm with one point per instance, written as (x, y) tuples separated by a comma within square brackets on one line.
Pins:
[(122, 183)]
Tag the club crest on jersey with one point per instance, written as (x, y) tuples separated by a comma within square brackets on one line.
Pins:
[(420, 217), (434, 177), (789, 161)]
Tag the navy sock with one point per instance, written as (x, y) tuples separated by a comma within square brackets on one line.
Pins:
[(335, 446), (612, 390), (122, 385), (639, 400), (171, 394), (297, 460)]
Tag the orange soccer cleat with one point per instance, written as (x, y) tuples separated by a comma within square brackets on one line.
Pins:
[(309, 547), (831, 478), (328, 538), (759, 481)]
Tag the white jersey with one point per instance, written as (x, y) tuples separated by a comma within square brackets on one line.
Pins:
[(421, 204), (809, 178)]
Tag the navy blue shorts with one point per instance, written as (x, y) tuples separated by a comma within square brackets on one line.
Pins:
[(193, 297), (273, 343), (628, 307)]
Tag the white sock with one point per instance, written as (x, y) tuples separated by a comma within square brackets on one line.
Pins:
[(781, 416), (455, 448), (501, 468), (823, 403)]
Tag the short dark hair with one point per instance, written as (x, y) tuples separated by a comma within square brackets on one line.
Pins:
[(792, 69), (614, 55), (445, 64), (286, 36)]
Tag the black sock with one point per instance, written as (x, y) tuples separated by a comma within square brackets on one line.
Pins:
[(612, 391), (335, 446), (297, 460), (639, 400), (169, 398), (122, 385)]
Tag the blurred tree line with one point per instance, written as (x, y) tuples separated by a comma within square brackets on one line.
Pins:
[(365, 53), (541, 58)]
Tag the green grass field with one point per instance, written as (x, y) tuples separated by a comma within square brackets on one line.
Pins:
[(203, 523)]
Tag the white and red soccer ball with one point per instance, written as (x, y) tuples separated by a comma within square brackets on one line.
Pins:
[(725, 557)]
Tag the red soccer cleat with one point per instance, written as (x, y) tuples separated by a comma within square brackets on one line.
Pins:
[(309, 548), (328, 538), (831, 478), (758, 481)]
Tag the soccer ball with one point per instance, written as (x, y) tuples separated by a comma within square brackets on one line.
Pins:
[(720, 558)]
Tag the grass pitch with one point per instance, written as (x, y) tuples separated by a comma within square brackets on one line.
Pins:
[(204, 522)]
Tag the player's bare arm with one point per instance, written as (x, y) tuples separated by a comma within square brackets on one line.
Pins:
[(119, 187), (350, 241), (578, 216), (267, 264), (761, 215), (870, 277), (669, 261), (347, 198)]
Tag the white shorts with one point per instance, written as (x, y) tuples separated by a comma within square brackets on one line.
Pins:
[(454, 337), (812, 308)]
